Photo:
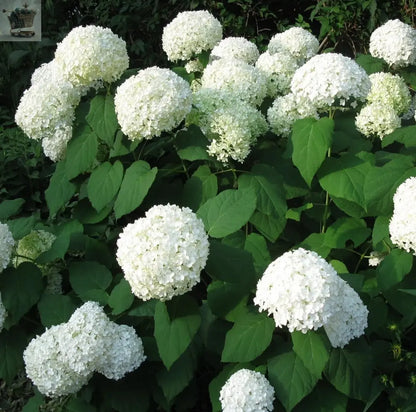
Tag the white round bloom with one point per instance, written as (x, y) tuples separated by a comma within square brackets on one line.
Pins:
[(299, 289), (235, 76), (151, 102), (349, 320), (375, 258), (247, 391), (6, 245), (391, 90), (55, 146), (3, 314), (377, 119), (279, 69), (231, 124), (331, 79), (285, 110), (91, 53), (297, 41), (194, 66), (163, 253), (190, 33), (394, 42), (237, 48), (403, 222), (123, 351)]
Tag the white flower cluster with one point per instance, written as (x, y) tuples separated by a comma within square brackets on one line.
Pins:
[(32, 245), (394, 42), (3, 314), (63, 359), (403, 222), (163, 253), (331, 79), (236, 48), (297, 41), (301, 290), (231, 124), (91, 53), (235, 76), (285, 110), (279, 69), (247, 391), (6, 245), (189, 34), (375, 258), (151, 102)]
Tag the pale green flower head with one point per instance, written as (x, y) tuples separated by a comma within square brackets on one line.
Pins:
[(33, 245)]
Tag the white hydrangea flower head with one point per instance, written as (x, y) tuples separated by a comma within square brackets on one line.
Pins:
[(299, 289), (331, 79), (45, 367), (377, 119), (300, 43), (244, 80), (163, 253), (375, 258), (190, 33), (279, 69), (90, 54), (55, 146), (3, 314), (32, 245), (285, 110), (395, 43), (6, 245), (403, 222), (231, 124), (349, 320), (153, 101), (391, 90), (194, 66), (123, 351), (236, 48), (247, 391)]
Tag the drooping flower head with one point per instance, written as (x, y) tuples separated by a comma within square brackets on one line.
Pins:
[(247, 391), (91, 53), (151, 102), (189, 34), (163, 253), (331, 79), (403, 222), (395, 43), (236, 48), (6, 245)]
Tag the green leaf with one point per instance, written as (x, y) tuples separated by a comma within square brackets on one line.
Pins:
[(60, 190), (78, 405), (57, 251), (316, 242), (405, 135), (394, 267), (22, 226), (248, 338), (176, 324), (227, 212), (104, 183), (136, 183), (80, 153), (20, 288), (102, 117), (90, 280), (290, 378), (56, 309), (381, 230), (311, 348), (350, 372), (370, 64), (121, 297), (257, 246), (85, 213), (34, 403), (12, 345), (10, 208), (344, 229), (311, 140), (191, 144)]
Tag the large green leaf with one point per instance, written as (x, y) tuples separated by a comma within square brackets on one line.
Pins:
[(10, 207), (344, 229), (227, 212), (104, 183), (290, 378), (311, 348), (136, 183), (393, 268), (256, 244), (370, 64), (60, 189), (102, 117), (311, 140), (405, 135), (248, 338), (56, 309), (12, 345), (191, 144), (20, 288), (121, 297), (176, 324)]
